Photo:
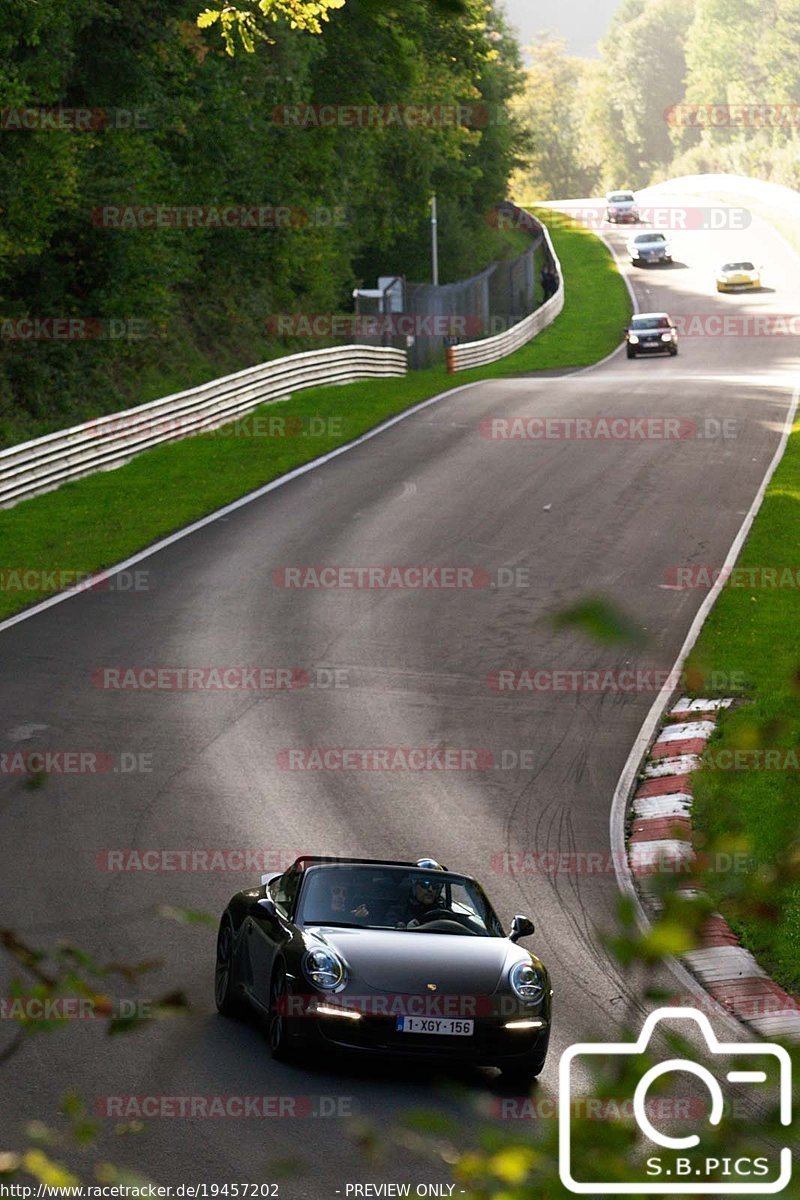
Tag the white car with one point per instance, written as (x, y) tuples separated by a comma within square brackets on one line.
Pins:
[(650, 248), (621, 207)]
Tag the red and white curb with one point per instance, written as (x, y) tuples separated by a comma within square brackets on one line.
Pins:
[(660, 839)]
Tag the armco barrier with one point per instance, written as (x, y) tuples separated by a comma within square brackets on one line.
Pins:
[(107, 442), (487, 350)]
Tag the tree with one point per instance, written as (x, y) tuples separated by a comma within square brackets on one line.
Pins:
[(212, 135), (644, 66), (557, 164), (256, 20)]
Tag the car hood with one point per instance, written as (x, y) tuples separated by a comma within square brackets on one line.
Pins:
[(623, 204), (405, 962), (649, 247)]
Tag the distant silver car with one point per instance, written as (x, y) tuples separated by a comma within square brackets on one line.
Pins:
[(621, 207), (651, 333), (650, 247)]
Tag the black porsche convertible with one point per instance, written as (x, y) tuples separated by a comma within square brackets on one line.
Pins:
[(385, 958)]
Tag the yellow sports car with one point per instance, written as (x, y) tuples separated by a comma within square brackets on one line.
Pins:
[(738, 277)]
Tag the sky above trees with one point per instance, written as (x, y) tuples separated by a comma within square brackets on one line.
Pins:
[(580, 22)]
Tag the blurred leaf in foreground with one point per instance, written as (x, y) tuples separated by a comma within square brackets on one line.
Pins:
[(601, 621)]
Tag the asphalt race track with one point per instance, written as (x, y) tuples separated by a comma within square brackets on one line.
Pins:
[(549, 522)]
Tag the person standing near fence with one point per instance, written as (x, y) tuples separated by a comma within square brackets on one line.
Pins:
[(549, 280)]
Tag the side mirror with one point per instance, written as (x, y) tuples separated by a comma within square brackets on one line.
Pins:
[(267, 906), (521, 927)]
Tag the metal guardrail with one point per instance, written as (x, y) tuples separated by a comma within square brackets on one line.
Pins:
[(488, 350), (109, 441)]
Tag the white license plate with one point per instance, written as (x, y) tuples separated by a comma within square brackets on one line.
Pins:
[(436, 1025)]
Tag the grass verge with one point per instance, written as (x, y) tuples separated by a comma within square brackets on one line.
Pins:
[(752, 636), (60, 383), (98, 521)]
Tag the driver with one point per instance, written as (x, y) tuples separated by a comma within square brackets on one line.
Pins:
[(425, 897)]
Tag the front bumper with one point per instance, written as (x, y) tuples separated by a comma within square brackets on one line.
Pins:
[(658, 347), (746, 285), (489, 1045), (377, 1033)]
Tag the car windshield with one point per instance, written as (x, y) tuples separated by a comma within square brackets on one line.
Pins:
[(377, 897), (740, 266), (649, 237), (640, 323), (620, 198)]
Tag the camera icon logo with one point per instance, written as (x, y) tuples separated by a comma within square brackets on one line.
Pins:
[(679, 1165)]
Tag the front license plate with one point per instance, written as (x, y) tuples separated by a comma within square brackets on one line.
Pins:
[(437, 1025)]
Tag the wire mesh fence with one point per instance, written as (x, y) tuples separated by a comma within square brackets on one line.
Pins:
[(434, 318)]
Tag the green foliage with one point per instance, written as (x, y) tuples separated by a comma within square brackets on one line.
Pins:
[(253, 22), (644, 67), (644, 111), (559, 163), (64, 983), (752, 634), (667, 63), (598, 619), (189, 125), (257, 19), (188, 916), (598, 125)]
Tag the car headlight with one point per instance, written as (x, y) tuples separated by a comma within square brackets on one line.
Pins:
[(324, 970), (527, 982), (633, 339), (666, 337)]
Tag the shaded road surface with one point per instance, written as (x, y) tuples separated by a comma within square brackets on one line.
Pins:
[(550, 521)]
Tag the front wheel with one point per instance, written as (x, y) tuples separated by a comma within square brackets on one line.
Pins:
[(520, 1073), (674, 351), (277, 1021), (631, 353), (520, 1078)]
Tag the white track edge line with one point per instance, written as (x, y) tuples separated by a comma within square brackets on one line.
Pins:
[(234, 505), (639, 748), (295, 473)]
